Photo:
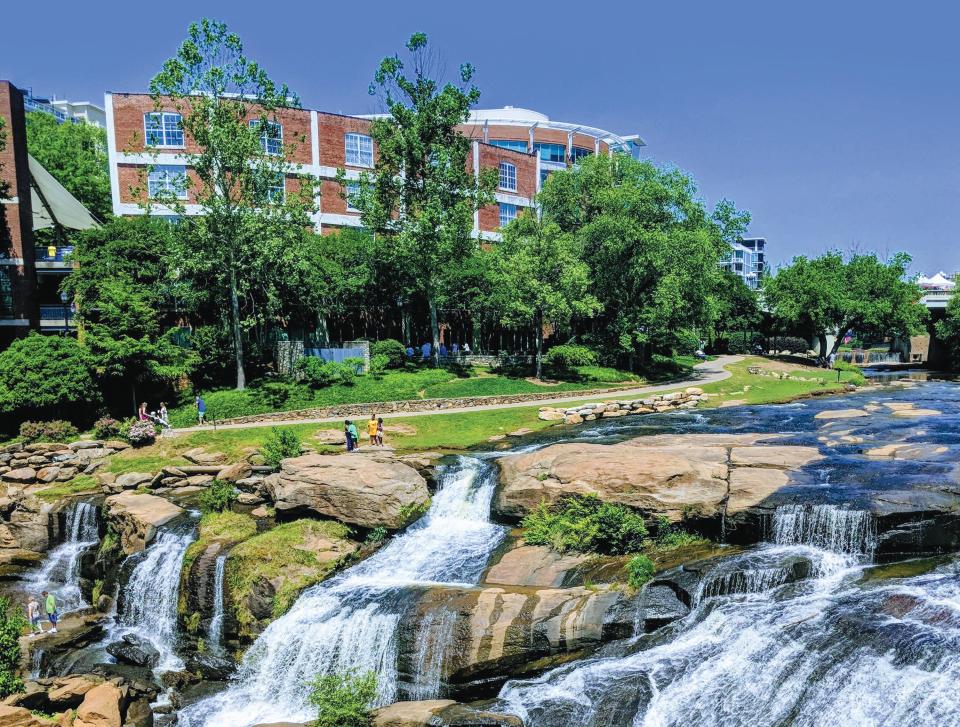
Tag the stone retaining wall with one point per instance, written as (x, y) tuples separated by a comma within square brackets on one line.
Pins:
[(53, 461), (404, 407), (688, 399)]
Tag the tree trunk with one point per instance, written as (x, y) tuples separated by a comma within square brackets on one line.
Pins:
[(822, 340), (434, 330), (538, 342), (133, 395), (406, 333), (237, 339), (323, 330)]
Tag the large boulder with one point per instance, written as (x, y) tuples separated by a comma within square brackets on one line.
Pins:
[(134, 650), (677, 476), (446, 712), (20, 717), (534, 565), (100, 707), (135, 517), (359, 489)]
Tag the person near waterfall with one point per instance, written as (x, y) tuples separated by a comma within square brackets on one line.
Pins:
[(50, 606), (33, 613)]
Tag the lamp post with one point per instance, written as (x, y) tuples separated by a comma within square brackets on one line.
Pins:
[(66, 324)]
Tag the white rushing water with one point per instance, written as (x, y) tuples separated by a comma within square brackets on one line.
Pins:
[(148, 605), (350, 621), (60, 572), (829, 651), (215, 633)]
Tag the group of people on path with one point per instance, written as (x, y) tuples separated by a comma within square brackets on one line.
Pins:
[(35, 612), (160, 416), (374, 432)]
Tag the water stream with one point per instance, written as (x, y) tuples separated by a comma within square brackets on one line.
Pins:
[(215, 633), (60, 572), (350, 621)]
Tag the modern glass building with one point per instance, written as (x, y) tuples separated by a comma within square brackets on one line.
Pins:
[(747, 260)]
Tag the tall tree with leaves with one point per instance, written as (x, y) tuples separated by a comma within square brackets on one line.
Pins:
[(828, 295), (228, 104), (422, 196), (734, 307), (76, 154), (540, 278)]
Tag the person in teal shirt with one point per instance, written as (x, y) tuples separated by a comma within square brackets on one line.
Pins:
[(354, 434), (50, 606)]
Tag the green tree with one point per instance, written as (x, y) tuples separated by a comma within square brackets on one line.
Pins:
[(76, 155), (343, 700), (228, 103), (948, 330), (652, 247), (828, 295), (47, 377), (540, 278), (422, 197), (734, 306), (12, 624)]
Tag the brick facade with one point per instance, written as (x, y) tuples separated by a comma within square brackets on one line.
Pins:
[(17, 272)]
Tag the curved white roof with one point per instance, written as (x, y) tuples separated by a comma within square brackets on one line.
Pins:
[(514, 116)]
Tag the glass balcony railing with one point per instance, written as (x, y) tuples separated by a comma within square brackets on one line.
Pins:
[(52, 253)]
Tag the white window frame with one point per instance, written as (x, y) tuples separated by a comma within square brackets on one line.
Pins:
[(278, 190), (164, 130), (353, 187), (167, 183), (508, 176), (266, 139), (507, 219), (358, 157)]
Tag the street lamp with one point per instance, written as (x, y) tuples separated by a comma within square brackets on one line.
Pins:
[(63, 299)]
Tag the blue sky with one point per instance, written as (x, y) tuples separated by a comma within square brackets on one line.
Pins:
[(834, 123)]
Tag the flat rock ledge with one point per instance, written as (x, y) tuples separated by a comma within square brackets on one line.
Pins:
[(136, 517)]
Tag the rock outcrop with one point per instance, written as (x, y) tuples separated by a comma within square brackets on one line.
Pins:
[(53, 461), (690, 398), (135, 517), (368, 490), (446, 712), (705, 476)]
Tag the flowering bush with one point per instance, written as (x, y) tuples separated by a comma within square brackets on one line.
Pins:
[(106, 428), (52, 431), (141, 433)]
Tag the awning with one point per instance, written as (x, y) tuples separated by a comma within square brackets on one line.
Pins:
[(53, 205)]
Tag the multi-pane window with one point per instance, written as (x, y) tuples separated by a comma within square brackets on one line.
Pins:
[(163, 128), (508, 212), (6, 295), (510, 144), (271, 136), (508, 176), (353, 189), (578, 152), (359, 149), (167, 180), (544, 173), (277, 189), (551, 152)]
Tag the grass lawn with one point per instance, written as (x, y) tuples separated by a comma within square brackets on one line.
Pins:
[(453, 432)]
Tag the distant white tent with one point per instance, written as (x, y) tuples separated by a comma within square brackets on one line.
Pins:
[(938, 282), (53, 205)]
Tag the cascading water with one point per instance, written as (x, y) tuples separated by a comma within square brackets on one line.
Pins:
[(434, 635), (350, 621), (148, 604), (829, 650), (215, 633), (60, 573)]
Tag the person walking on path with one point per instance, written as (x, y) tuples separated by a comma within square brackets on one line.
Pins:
[(33, 613), (354, 435), (50, 606), (380, 431), (201, 408), (372, 429)]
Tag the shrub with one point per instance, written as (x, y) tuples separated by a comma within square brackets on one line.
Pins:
[(740, 342), (218, 497), (639, 570), (793, 344), (686, 342), (394, 351), (343, 700), (140, 433), (318, 373), (856, 378), (12, 623), (52, 431), (378, 365), (281, 444), (106, 428), (568, 356), (584, 523)]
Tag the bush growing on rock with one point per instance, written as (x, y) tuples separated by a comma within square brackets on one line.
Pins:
[(393, 350), (52, 431), (640, 570), (343, 700), (218, 497), (281, 444), (585, 524), (12, 624)]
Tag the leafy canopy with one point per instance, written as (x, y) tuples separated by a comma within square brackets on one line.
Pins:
[(47, 375)]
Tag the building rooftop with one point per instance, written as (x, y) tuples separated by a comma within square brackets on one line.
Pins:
[(516, 116)]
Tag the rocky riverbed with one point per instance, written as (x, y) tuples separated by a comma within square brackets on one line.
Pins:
[(414, 568)]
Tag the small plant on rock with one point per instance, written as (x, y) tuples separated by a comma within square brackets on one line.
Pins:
[(218, 497), (377, 535), (343, 700), (281, 444), (585, 524), (640, 570)]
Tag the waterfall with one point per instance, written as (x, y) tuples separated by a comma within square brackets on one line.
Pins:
[(36, 664), (60, 572), (849, 532), (350, 621), (755, 580), (215, 634), (433, 637), (148, 605)]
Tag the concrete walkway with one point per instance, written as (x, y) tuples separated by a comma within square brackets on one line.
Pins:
[(703, 373)]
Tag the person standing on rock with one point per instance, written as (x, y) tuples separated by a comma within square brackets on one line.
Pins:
[(50, 606), (354, 435), (372, 429), (380, 431), (33, 613)]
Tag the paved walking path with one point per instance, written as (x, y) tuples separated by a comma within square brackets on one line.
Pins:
[(703, 373)]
